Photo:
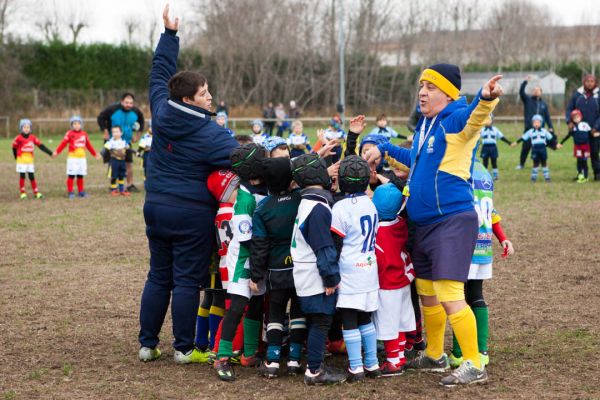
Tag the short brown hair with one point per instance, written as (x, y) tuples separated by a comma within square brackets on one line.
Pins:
[(380, 117), (185, 84)]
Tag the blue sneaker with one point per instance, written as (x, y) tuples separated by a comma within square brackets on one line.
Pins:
[(71, 195), (83, 194)]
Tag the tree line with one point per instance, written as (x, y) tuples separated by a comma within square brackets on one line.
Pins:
[(255, 51)]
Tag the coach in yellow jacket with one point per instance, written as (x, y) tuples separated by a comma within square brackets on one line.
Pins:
[(440, 202)]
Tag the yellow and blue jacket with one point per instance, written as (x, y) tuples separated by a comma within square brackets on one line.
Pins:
[(440, 183)]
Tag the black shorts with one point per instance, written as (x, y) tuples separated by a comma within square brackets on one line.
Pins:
[(489, 151), (129, 156), (539, 153), (444, 250)]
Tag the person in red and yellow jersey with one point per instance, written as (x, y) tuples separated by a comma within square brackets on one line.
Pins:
[(78, 142), (23, 147)]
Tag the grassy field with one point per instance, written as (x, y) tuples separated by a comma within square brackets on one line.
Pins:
[(71, 275)]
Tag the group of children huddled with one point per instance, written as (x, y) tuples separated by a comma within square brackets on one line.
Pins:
[(77, 141), (312, 256)]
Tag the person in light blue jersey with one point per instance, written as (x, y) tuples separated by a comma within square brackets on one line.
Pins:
[(489, 149), (539, 138)]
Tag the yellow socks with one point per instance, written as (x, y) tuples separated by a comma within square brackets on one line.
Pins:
[(435, 325), (464, 326)]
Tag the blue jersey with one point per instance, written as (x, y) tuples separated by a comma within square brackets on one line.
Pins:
[(538, 137), (490, 135)]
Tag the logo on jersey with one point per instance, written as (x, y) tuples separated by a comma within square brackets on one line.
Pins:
[(430, 143), (487, 183), (245, 227), (80, 142)]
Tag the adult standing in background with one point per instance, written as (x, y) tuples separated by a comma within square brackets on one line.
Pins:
[(179, 211), (532, 105), (294, 112), (269, 116), (222, 108), (131, 120), (587, 100)]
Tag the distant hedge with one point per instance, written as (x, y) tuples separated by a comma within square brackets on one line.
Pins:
[(99, 66)]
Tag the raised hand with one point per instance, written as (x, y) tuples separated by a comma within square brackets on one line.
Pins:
[(373, 156), (358, 124), (492, 89), (169, 23)]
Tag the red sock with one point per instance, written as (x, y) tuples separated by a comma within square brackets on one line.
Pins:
[(22, 184), (401, 345), (80, 187), (34, 186), (218, 337), (69, 184), (392, 351), (238, 339)]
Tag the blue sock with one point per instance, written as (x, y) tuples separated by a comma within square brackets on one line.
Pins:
[(354, 348), (534, 174), (273, 353), (297, 338), (202, 328), (295, 351), (546, 171), (369, 342), (121, 187), (214, 319), (495, 172)]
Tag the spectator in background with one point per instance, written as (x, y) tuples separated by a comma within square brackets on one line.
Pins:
[(269, 114), (586, 99), (294, 112), (131, 120), (532, 105), (282, 124), (222, 108)]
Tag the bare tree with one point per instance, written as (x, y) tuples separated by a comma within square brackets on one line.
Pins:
[(132, 24), (77, 21), (7, 7)]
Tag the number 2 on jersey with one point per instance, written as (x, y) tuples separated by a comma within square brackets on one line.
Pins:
[(367, 225)]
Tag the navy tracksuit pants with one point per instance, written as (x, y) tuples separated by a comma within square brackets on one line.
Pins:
[(180, 242)]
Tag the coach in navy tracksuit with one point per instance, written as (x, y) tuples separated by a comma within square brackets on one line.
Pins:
[(587, 100), (532, 105), (179, 211)]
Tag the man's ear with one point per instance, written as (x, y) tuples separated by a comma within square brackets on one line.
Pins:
[(187, 100)]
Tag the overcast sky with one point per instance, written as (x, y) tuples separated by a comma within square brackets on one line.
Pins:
[(106, 18)]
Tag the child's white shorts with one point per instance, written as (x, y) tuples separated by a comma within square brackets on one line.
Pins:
[(480, 271), (242, 288), (76, 166), (395, 313), (366, 301), (23, 168)]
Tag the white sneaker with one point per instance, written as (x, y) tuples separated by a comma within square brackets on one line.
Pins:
[(466, 374), (148, 354)]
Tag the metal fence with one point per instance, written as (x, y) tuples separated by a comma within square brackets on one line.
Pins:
[(53, 126)]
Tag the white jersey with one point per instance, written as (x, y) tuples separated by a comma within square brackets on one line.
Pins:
[(260, 138), (146, 141), (355, 219), (114, 144), (307, 280), (331, 134)]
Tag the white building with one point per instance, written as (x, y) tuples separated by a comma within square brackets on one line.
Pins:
[(552, 85)]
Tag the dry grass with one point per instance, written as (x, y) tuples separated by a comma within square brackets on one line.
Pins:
[(71, 275)]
